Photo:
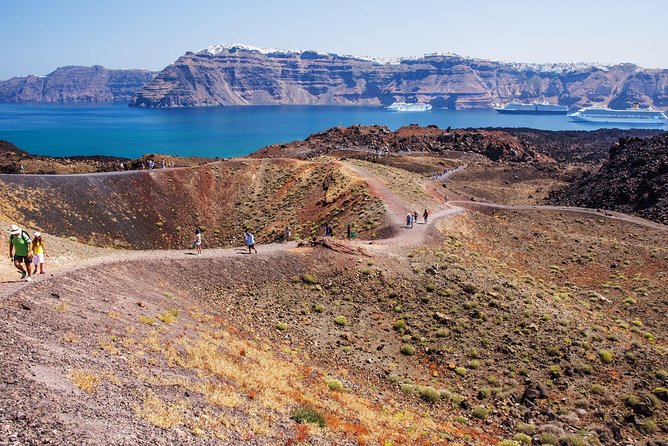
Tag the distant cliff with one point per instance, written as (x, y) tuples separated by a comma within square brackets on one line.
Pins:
[(76, 84), (241, 75)]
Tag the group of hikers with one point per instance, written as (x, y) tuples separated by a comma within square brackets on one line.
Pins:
[(150, 165), (412, 218), (249, 237), (24, 250)]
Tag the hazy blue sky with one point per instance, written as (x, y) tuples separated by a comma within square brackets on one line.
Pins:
[(40, 35)]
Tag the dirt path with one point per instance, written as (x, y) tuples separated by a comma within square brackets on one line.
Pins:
[(397, 208)]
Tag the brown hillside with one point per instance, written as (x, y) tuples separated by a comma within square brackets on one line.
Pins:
[(159, 209)]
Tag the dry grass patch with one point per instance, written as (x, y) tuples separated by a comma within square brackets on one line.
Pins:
[(86, 381), (161, 413)]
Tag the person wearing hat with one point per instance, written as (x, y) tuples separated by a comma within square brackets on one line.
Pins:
[(38, 251), (19, 250)]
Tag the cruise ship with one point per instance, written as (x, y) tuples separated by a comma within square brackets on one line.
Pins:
[(406, 107), (535, 108), (631, 116)]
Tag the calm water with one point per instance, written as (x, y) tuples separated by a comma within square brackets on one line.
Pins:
[(116, 129)]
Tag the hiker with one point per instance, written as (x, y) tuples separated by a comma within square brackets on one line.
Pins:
[(21, 170), (250, 241), (409, 217), (164, 164), (446, 198), (425, 215), (415, 217), (38, 253), (19, 251), (287, 233), (328, 231), (349, 231), (198, 240)]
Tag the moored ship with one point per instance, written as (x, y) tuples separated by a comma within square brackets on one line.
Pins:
[(535, 108), (406, 107), (631, 116)]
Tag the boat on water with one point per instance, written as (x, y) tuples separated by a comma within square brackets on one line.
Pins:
[(631, 116), (406, 107), (535, 108)]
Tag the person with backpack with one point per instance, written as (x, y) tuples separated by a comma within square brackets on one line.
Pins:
[(329, 232), (38, 253), (425, 215), (19, 251)]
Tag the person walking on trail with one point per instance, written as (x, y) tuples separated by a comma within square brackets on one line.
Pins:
[(198, 240), (19, 251), (409, 220), (287, 233), (328, 230), (250, 241), (415, 217), (425, 215), (38, 253)]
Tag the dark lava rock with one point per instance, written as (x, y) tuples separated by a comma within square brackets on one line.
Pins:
[(634, 180)]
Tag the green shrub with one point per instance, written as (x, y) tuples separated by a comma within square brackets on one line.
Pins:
[(399, 325), (461, 371), (606, 356), (573, 440), (484, 393), (554, 370), (309, 279), (547, 438), (662, 375), (480, 412), (334, 385), (281, 326), (649, 428), (407, 349), (429, 394), (318, 308), (598, 389), (522, 438), (526, 428), (461, 420), (473, 364), (431, 287), (632, 400), (507, 443), (407, 388), (307, 415), (341, 321)]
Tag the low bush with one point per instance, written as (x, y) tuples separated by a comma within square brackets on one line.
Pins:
[(307, 415)]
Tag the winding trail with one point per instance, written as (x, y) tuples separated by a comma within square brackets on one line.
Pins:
[(397, 208)]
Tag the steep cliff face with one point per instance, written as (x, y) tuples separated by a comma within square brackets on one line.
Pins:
[(76, 84), (240, 75)]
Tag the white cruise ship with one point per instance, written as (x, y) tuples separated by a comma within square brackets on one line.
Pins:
[(631, 116), (535, 108), (406, 107)]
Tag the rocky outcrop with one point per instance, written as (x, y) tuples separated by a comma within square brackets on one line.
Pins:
[(495, 145), (634, 180), (240, 75), (76, 84)]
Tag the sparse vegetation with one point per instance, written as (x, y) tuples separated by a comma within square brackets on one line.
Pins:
[(168, 316), (307, 415), (341, 321), (407, 349), (85, 380), (606, 356), (281, 326), (334, 385), (309, 279), (480, 412)]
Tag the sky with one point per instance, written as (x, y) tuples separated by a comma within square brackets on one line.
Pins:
[(40, 35)]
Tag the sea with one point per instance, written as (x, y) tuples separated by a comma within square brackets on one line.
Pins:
[(119, 130)]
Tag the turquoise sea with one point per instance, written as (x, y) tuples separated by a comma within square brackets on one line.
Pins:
[(118, 130)]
